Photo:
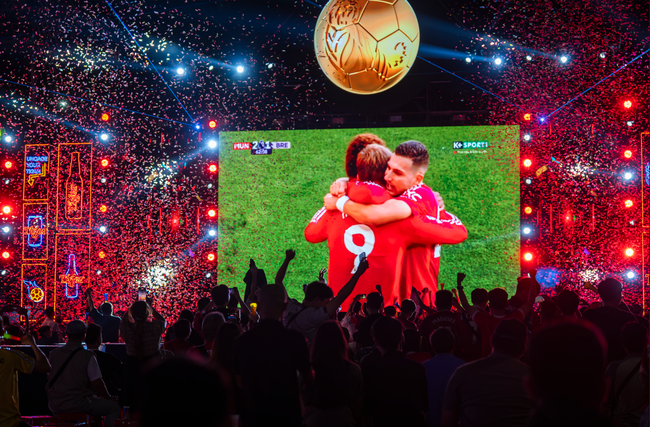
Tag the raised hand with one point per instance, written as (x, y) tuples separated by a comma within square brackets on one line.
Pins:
[(460, 277), (252, 265), (321, 275), (27, 339), (339, 188), (363, 266), (290, 254), (378, 287)]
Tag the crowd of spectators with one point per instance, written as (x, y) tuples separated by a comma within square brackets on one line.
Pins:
[(532, 359)]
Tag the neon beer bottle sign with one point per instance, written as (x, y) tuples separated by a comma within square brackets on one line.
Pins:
[(71, 281), (35, 230), (74, 189)]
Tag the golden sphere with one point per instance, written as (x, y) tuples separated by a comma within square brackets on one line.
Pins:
[(36, 294), (366, 46)]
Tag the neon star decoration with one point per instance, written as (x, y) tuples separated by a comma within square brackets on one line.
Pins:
[(71, 281)]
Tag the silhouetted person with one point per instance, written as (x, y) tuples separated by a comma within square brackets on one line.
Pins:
[(180, 392), (110, 324), (109, 365), (490, 391), (180, 344), (568, 302), (609, 318), (412, 347), (334, 399), (373, 306), (567, 362), (439, 371), (395, 388), (268, 359), (442, 318), (628, 393), (407, 310)]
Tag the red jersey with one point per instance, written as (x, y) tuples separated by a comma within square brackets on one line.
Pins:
[(384, 245), (422, 261)]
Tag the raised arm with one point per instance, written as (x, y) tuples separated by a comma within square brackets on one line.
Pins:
[(90, 305), (461, 294), (392, 210), (42, 364), (345, 292), (279, 277), (532, 294)]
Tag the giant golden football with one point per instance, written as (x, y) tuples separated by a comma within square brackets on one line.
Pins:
[(366, 46)]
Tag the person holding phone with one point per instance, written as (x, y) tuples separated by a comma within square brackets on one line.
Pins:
[(110, 323)]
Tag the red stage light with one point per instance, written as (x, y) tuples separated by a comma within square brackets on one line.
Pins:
[(528, 163), (6, 255), (104, 162), (629, 252), (212, 124), (627, 154), (105, 117), (101, 254), (528, 256), (629, 203), (211, 256), (528, 210), (212, 168), (527, 116), (9, 164), (103, 208), (627, 104), (6, 210), (212, 213)]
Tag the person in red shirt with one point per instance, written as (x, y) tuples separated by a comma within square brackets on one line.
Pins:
[(384, 246), (404, 175)]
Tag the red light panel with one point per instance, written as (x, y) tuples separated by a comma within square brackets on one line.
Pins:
[(212, 168), (528, 256), (211, 256), (627, 104), (212, 124), (629, 203), (6, 210), (105, 162), (103, 208), (629, 252), (105, 117), (627, 154), (528, 210), (6, 255), (9, 164), (527, 117), (528, 163), (212, 213)]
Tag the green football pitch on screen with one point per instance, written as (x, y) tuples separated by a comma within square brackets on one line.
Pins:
[(272, 182)]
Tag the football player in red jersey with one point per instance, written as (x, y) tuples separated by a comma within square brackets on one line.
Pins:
[(384, 245), (404, 175)]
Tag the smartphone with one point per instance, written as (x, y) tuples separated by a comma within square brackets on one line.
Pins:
[(362, 296), (233, 316), (362, 257), (539, 299), (142, 295)]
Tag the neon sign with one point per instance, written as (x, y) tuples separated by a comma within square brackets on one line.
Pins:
[(35, 230), (71, 281), (36, 293), (35, 167)]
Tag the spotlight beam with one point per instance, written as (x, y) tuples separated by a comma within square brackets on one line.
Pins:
[(473, 84), (151, 63), (596, 84)]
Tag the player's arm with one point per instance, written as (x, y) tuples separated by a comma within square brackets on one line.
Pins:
[(316, 230), (339, 187), (375, 215)]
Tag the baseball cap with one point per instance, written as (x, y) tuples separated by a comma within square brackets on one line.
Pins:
[(75, 327)]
